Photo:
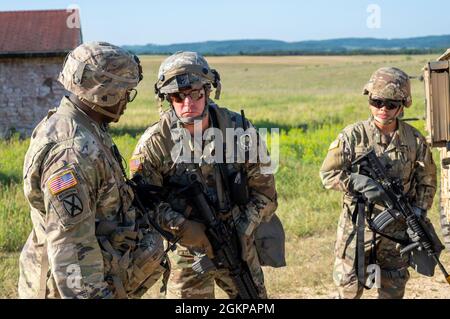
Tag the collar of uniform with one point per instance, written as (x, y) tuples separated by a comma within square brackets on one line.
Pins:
[(68, 107), (177, 135), (398, 138), (376, 134), (173, 118)]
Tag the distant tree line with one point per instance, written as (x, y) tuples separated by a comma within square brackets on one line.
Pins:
[(325, 53)]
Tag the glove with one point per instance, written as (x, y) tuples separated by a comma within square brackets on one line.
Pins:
[(369, 188), (247, 223), (192, 235), (413, 235)]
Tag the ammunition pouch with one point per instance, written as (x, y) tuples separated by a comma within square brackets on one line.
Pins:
[(269, 241), (147, 266), (422, 263), (133, 260)]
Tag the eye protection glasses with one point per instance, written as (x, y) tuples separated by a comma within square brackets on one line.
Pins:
[(389, 104), (131, 95), (179, 97)]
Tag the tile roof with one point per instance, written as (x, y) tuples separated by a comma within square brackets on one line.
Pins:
[(39, 32)]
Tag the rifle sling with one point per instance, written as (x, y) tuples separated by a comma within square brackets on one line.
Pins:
[(360, 250), (223, 169)]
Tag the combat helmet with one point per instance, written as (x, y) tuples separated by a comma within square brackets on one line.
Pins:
[(101, 75), (186, 70), (389, 83)]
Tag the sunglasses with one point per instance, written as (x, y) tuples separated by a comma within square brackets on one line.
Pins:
[(389, 104), (179, 97), (131, 95)]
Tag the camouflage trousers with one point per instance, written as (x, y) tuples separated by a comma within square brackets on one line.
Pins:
[(185, 283), (393, 267)]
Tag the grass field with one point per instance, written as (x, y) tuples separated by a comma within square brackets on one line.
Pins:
[(309, 98)]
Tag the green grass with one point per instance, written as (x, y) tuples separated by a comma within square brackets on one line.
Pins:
[(309, 98), (9, 274)]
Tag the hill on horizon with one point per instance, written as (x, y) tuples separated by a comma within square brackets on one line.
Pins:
[(416, 45)]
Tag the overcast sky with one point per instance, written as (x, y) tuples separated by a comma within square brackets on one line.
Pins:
[(165, 22)]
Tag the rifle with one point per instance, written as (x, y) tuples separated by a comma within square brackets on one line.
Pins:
[(223, 238), (369, 165), (146, 195)]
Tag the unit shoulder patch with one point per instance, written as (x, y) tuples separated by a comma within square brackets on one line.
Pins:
[(73, 205)]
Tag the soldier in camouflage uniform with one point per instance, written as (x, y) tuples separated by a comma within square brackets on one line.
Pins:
[(185, 81), (405, 156), (88, 240)]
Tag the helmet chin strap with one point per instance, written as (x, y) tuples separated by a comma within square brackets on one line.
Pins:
[(388, 121), (384, 121), (114, 116)]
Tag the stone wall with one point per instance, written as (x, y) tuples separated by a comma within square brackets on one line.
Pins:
[(28, 89)]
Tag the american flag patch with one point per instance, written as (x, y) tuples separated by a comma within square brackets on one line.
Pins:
[(61, 182), (135, 164)]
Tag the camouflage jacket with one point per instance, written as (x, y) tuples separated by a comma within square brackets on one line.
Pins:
[(72, 182), (153, 160), (407, 157)]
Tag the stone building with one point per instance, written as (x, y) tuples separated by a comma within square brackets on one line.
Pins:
[(33, 45)]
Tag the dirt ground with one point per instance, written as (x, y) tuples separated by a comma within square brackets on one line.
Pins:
[(417, 288), (320, 267)]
